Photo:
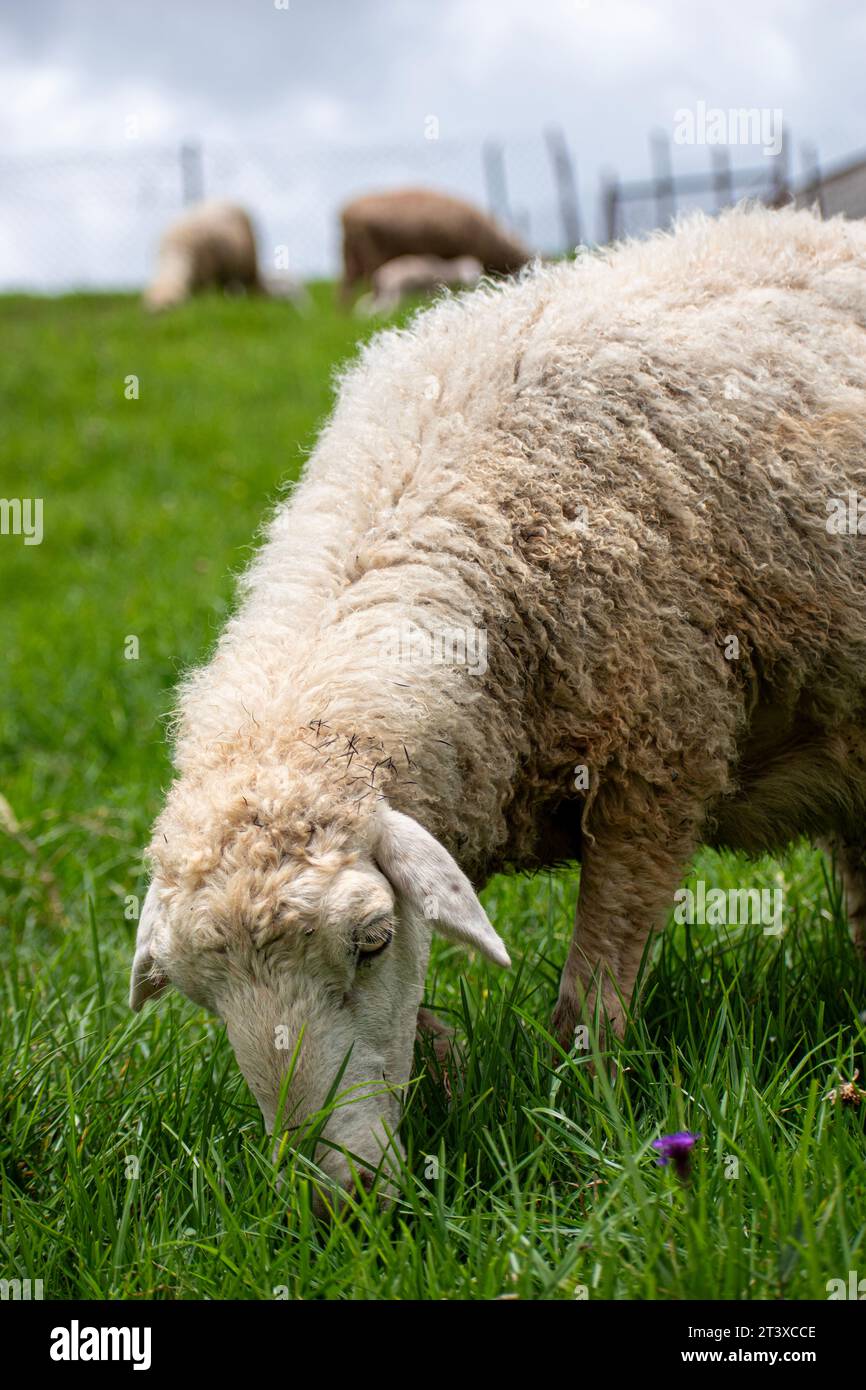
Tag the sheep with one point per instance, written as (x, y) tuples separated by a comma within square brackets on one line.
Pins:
[(213, 244), (567, 578), (380, 227), (396, 280)]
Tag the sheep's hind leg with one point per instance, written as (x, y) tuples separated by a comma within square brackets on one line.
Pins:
[(850, 861), (627, 885)]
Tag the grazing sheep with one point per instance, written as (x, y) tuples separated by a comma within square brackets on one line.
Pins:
[(211, 245), (396, 280), (566, 579), (380, 227)]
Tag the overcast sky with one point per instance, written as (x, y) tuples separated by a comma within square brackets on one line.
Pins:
[(293, 88)]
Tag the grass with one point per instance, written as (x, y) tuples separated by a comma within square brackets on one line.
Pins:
[(132, 1158)]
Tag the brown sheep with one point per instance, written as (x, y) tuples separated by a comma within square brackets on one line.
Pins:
[(378, 227)]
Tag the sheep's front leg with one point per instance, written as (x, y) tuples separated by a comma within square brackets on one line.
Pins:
[(627, 888)]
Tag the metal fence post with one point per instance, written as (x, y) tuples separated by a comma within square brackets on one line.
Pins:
[(723, 182), (191, 173), (780, 171), (812, 175), (609, 207), (493, 161), (566, 186), (660, 153)]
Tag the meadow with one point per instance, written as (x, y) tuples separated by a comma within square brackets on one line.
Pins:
[(133, 1160)]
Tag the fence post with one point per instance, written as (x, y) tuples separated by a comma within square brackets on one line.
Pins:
[(723, 181), (493, 160), (566, 186), (781, 181), (191, 173), (812, 175), (609, 207), (660, 154)]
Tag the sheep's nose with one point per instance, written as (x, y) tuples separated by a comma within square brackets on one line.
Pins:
[(330, 1201)]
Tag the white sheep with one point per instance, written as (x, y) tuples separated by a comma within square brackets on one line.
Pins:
[(398, 280), (211, 245), (563, 580)]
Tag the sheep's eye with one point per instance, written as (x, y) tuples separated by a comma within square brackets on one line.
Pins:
[(371, 940)]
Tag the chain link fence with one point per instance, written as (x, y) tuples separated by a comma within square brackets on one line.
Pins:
[(93, 220), (639, 206)]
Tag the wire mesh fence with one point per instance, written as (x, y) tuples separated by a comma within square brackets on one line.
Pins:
[(93, 220), (841, 189), (639, 206), (634, 209)]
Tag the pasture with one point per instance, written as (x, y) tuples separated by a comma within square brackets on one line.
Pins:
[(132, 1157)]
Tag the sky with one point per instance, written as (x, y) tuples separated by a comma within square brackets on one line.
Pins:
[(298, 104)]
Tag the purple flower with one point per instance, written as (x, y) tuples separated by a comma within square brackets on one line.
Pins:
[(676, 1147)]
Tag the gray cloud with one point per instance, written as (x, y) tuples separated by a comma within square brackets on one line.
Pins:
[(302, 85)]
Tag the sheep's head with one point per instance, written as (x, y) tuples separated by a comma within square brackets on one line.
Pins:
[(174, 280), (467, 270), (311, 940)]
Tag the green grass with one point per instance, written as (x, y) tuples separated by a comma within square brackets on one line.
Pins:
[(547, 1184)]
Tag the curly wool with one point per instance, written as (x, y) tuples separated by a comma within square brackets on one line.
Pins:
[(612, 467)]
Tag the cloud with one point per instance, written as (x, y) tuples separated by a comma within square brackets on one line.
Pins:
[(313, 102)]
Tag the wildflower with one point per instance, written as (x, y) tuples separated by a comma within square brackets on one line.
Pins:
[(676, 1147), (848, 1092)]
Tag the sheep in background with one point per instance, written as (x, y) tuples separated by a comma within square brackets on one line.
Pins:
[(559, 583), (398, 280), (213, 244), (380, 227)]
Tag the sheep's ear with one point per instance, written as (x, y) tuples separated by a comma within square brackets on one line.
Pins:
[(146, 980), (424, 872)]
